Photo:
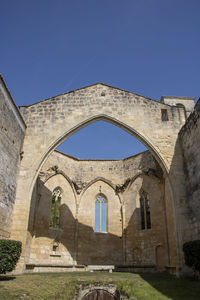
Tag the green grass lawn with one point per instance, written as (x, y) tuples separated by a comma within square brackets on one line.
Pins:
[(62, 286)]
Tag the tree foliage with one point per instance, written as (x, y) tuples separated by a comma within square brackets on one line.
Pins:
[(9, 255), (192, 254)]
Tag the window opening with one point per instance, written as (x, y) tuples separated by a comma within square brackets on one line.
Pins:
[(55, 246), (55, 208), (100, 214), (145, 211), (164, 115)]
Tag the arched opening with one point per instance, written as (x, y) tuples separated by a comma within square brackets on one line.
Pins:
[(141, 137), (55, 207), (100, 213), (102, 201), (101, 140), (145, 210), (99, 294)]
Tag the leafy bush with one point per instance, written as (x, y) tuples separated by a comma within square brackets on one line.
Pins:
[(9, 254), (192, 254)]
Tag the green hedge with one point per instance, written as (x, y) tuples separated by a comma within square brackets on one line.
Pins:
[(9, 254), (192, 254)]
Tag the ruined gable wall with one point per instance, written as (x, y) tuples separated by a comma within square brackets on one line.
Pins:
[(84, 171), (12, 131), (82, 245), (190, 140), (51, 121), (138, 163)]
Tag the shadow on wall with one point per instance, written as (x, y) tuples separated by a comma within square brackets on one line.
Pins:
[(83, 244), (134, 246), (95, 248), (179, 208)]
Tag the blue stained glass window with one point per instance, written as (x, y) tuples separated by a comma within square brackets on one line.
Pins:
[(103, 216), (100, 214), (97, 216)]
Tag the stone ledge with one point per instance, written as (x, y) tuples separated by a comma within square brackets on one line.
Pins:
[(55, 254), (31, 266), (40, 268), (136, 268), (100, 268)]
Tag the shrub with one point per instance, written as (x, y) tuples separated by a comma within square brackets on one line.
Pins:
[(192, 254), (9, 254)]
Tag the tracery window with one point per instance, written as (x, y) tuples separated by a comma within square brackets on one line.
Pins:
[(55, 208), (100, 214), (145, 210)]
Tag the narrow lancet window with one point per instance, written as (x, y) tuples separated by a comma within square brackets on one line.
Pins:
[(145, 211), (142, 212), (55, 208), (100, 214)]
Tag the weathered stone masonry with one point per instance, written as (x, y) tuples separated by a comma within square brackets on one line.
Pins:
[(12, 132), (190, 140), (157, 125), (124, 242)]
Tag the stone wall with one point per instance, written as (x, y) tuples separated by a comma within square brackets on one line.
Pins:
[(155, 124), (12, 131), (124, 241), (186, 103), (171, 177), (82, 172), (141, 245), (190, 140)]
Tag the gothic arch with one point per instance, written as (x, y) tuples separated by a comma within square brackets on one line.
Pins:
[(66, 179), (65, 176), (81, 125), (106, 190), (98, 179), (93, 182), (140, 174), (106, 118)]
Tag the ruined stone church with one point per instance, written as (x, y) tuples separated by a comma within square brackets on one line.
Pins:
[(74, 214)]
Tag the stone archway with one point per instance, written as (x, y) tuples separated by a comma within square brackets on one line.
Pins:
[(99, 295), (99, 291), (53, 120)]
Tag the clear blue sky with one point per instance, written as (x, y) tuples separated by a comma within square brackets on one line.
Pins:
[(150, 47)]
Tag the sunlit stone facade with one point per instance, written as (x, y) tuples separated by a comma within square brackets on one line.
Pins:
[(141, 231)]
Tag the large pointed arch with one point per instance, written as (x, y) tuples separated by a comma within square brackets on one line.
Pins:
[(100, 117)]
